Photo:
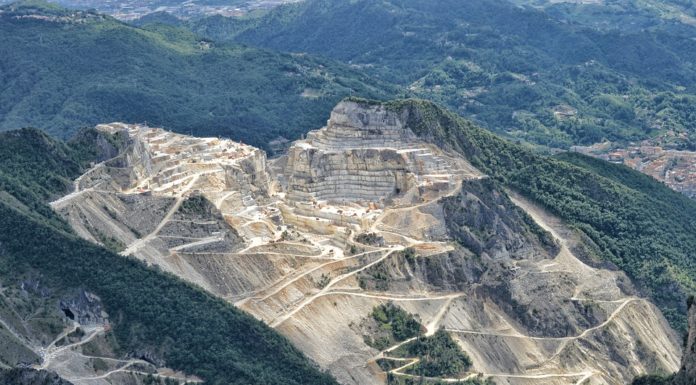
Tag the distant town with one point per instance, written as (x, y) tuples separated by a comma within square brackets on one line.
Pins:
[(134, 9), (661, 158)]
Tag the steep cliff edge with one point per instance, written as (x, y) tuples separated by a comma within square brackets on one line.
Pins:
[(687, 373)]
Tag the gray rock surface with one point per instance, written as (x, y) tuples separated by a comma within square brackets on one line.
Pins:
[(687, 373)]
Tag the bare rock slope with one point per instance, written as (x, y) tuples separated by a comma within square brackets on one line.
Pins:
[(362, 213), (687, 373)]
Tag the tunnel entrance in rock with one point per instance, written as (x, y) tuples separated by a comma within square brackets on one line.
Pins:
[(68, 313)]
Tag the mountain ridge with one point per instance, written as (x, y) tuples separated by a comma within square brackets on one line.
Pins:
[(369, 209)]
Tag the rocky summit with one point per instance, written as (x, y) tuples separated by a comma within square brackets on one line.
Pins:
[(382, 256)]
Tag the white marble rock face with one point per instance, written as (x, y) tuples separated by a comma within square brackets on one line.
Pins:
[(363, 154)]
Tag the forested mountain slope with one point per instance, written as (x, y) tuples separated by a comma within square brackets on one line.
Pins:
[(61, 70), (516, 70), (673, 16), (150, 314)]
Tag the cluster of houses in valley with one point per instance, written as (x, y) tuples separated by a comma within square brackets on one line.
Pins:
[(676, 168)]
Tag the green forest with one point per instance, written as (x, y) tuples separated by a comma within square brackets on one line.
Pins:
[(438, 356), (512, 69), (394, 325), (78, 69)]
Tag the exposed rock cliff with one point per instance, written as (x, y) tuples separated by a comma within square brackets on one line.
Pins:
[(84, 308), (366, 154), (484, 220), (687, 373)]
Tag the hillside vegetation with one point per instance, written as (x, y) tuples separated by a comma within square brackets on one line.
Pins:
[(61, 70), (675, 16), (150, 310), (438, 355), (515, 70), (636, 222), (30, 377)]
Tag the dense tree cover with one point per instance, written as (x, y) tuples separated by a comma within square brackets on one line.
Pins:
[(403, 380), (636, 222), (654, 379), (26, 376), (61, 70), (399, 322), (35, 168), (158, 18), (629, 16), (439, 356), (515, 70), (150, 310), (54, 164)]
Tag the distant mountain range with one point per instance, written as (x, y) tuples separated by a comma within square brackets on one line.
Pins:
[(133, 9), (622, 15), (534, 74), (63, 69), (528, 73)]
